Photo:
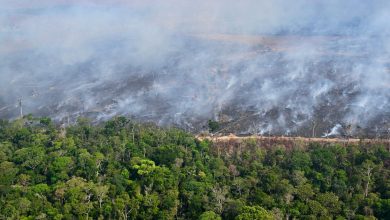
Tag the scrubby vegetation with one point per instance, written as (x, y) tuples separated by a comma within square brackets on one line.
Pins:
[(124, 170)]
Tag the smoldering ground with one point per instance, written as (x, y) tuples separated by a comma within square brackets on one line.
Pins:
[(272, 67)]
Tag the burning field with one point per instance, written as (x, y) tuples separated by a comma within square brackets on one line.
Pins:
[(253, 67)]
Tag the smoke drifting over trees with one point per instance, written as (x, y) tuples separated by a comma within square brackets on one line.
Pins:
[(283, 67)]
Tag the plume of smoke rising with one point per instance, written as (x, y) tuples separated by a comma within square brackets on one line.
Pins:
[(283, 67)]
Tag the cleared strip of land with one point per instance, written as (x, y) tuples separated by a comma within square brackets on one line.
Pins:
[(232, 137)]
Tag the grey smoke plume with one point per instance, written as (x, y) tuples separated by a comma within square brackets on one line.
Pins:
[(282, 67)]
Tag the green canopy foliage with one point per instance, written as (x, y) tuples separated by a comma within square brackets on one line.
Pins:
[(124, 170)]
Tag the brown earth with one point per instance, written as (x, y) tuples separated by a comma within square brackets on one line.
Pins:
[(235, 138)]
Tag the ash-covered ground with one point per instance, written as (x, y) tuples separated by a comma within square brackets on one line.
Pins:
[(318, 70)]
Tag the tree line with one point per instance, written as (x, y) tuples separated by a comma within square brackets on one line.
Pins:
[(120, 169)]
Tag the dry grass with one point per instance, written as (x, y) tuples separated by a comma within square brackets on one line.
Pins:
[(234, 138)]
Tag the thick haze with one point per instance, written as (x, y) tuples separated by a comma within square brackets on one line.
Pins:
[(307, 67)]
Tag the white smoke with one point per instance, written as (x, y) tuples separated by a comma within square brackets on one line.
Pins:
[(274, 66), (335, 131)]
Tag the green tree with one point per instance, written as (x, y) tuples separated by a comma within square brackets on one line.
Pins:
[(213, 126), (254, 212), (209, 215), (8, 176)]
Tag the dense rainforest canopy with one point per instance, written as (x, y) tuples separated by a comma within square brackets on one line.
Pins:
[(125, 170)]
